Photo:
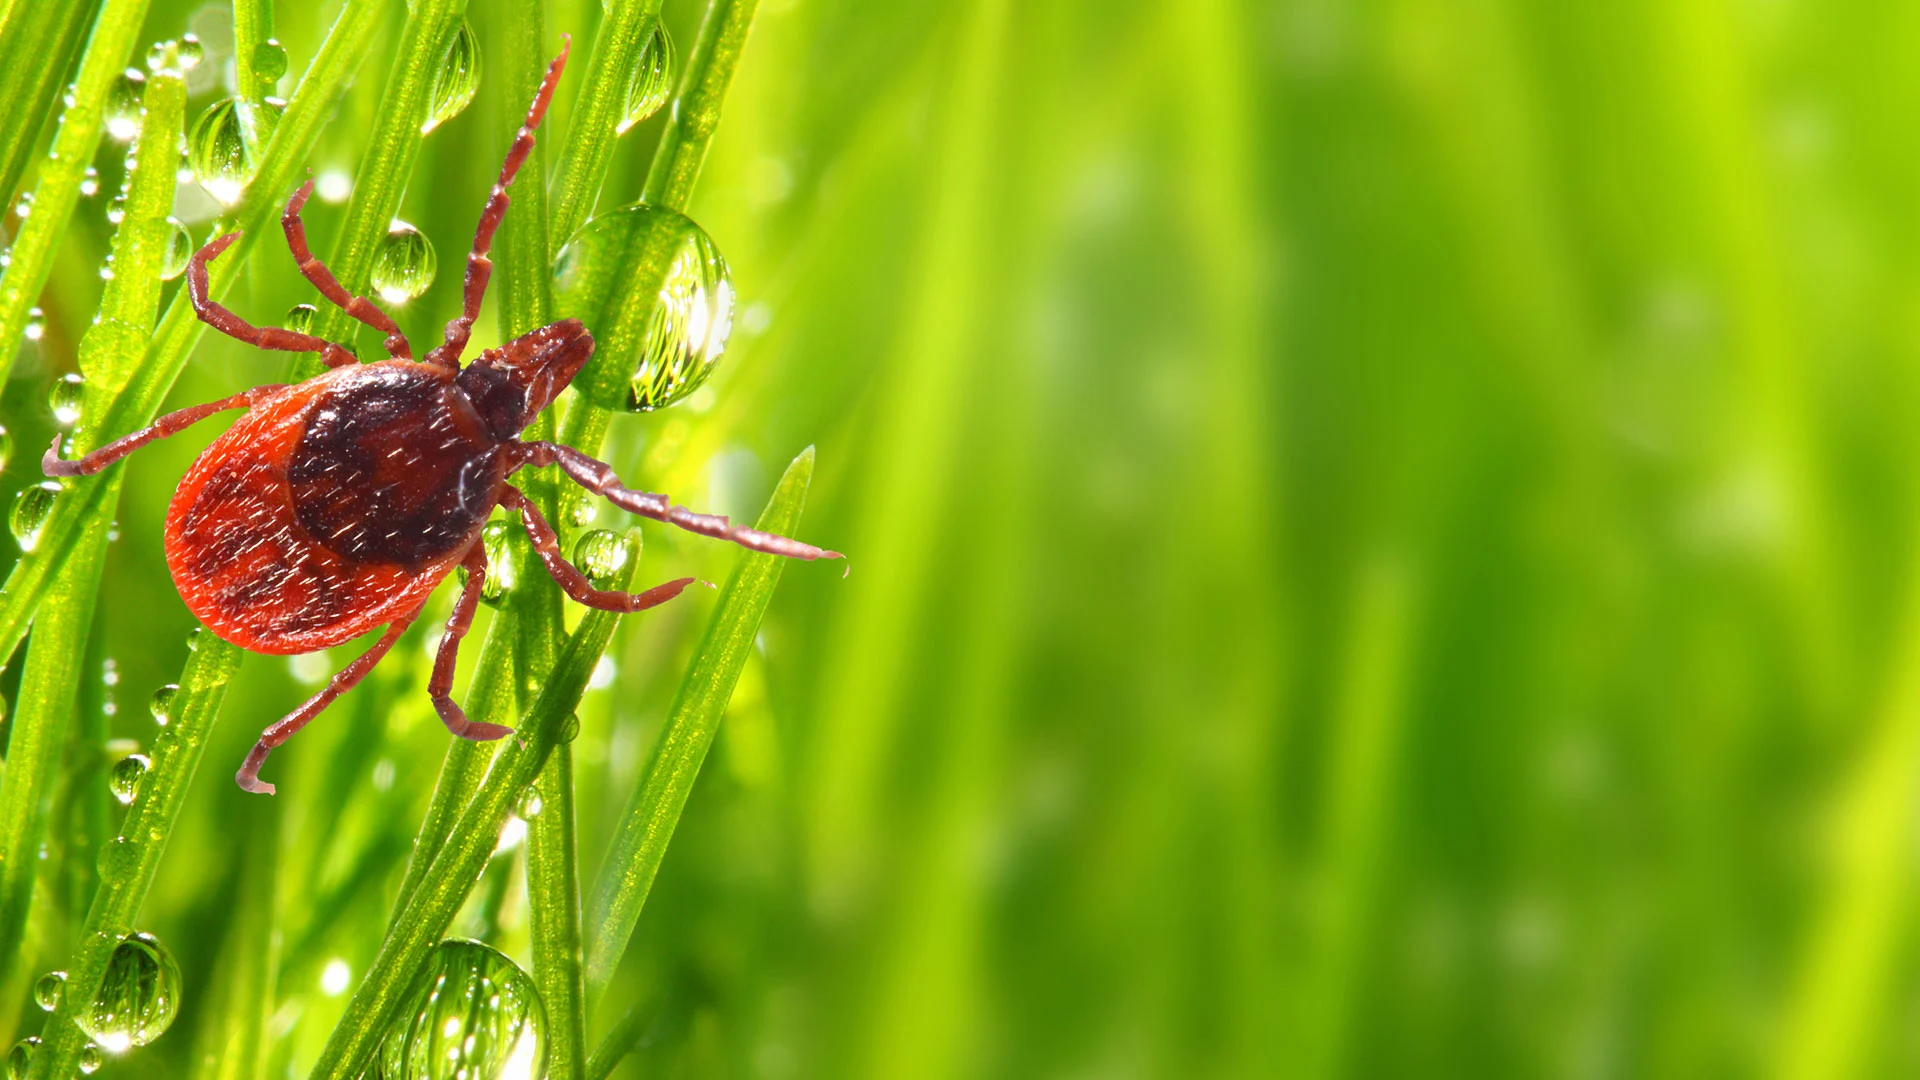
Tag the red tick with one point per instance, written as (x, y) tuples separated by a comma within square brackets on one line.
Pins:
[(337, 505)]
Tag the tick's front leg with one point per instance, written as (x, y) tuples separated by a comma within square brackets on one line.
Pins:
[(440, 687), (575, 583), (348, 677)]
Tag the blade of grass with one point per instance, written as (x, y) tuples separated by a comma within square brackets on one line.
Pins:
[(553, 894), (252, 27), (30, 259), (633, 858), (87, 498), (590, 142), (51, 679), (232, 1044), (37, 45), (648, 1024), (129, 861), (463, 857)]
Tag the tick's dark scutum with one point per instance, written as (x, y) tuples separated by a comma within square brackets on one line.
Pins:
[(395, 468)]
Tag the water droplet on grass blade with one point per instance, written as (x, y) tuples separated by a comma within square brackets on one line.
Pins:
[(270, 59), (599, 554), (403, 264), (46, 991), (658, 294), (300, 318), (173, 262), (6, 447), (503, 568), (117, 210), (20, 1058), (138, 998), (162, 704), (456, 80), (191, 52), (64, 397), (30, 510), (90, 182), (652, 80), (471, 1013), (24, 207), (91, 1059), (224, 147), (36, 324), (126, 776), (123, 111)]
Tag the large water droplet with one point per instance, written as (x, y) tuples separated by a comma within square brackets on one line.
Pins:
[(657, 292), (300, 318), (471, 1013), (20, 1058), (224, 148), (30, 510), (652, 80), (46, 991), (139, 995), (124, 110), (403, 264), (270, 59), (456, 80), (161, 706), (126, 776), (65, 396), (179, 249), (600, 554)]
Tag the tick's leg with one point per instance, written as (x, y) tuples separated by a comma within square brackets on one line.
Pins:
[(249, 775), (570, 578), (598, 477), (440, 687), (479, 267), (316, 271), (52, 464), (266, 337)]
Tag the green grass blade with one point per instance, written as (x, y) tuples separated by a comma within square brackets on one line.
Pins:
[(232, 1042), (553, 894), (37, 45), (444, 887), (590, 143), (129, 861), (695, 114), (647, 827), (252, 28)]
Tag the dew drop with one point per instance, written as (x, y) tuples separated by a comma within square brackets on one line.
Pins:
[(118, 858), (403, 264), (46, 991), (300, 318), (457, 79), (65, 396), (123, 111), (126, 776), (6, 447), (193, 638), (663, 326), (191, 52), (569, 728), (173, 262), (36, 324), (600, 554), (270, 60), (224, 147), (20, 1058), (162, 704), (30, 510), (471, 1012), (138, 998), (24, 207), (90, 182), (91, 1059), (652, 80), (531, 803), (502, 567), (117, 210)]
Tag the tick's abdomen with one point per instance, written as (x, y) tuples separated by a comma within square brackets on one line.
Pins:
[(325, 513)]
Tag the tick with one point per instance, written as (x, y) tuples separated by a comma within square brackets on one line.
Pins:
[(336, 505)]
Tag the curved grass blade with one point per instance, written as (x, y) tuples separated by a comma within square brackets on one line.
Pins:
[(37, 45)]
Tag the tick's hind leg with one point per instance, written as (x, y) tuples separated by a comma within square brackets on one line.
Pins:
[(53, 465), (225, 321), (598, 477), (316, 271), (349, 676), (440, 687), (479, 267), (576, 584)]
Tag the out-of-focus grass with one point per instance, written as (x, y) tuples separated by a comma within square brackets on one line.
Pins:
[(1380, 536)]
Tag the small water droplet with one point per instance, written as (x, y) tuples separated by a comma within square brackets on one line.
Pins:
[(118, 858), (569, 728), (162, 704), (46, 991), (20, 1058), (503, 567), (531, 804), (30, 510), (126, 776), (116, 209), (36, 324), (191, 52), (179, 249), (91, 1059), (90, 182), (471, 1012), (661, 331), (300, 318), (65, 396), (652, 80), (224, 147), (123, 110), (138, 997), (6, 448), (24, 207), (270, 59), (404, 264), (193, 638), (456, 80), (600, 554)]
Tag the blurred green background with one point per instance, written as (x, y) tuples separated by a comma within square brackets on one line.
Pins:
[(1381, 537)]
